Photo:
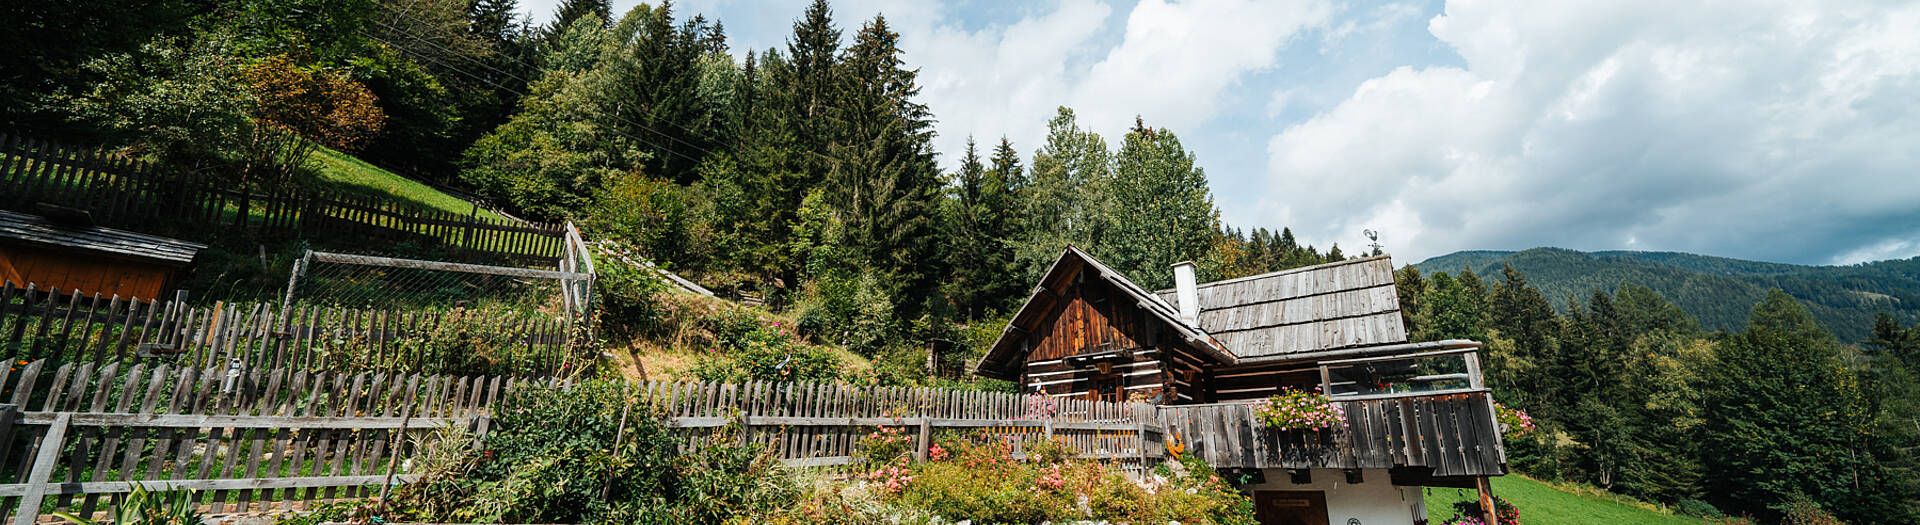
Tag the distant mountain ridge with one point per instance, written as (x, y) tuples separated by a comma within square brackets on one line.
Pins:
[(1719, 291)]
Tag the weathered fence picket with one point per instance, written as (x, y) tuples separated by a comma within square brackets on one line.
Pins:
[(281, 439), (84, 432), (50, 324)]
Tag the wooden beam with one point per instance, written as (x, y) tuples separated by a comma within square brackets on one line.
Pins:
[(43, 462), (1485, 484), (121, 487), (217, 421), (446, 266)]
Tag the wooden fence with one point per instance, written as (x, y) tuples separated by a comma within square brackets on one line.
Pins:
[(49, 324), (259, 440), (277, 440), (249, 442), (820, 424), (1455, 435), (139, 196)]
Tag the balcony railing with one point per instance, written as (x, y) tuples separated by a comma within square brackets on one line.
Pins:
[(1454, 434)]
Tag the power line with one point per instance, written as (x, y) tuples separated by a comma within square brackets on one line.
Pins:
[(509, 74), (523, 94)]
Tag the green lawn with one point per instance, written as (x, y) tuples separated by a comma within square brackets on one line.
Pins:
[(348, 173), (1544, 504)]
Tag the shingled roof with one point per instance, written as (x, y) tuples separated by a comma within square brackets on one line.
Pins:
[(1346, 304), (1343, 304), (1045, 297), (37, 230)]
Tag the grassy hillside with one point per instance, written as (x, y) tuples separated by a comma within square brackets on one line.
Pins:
[(344, 172), (1716, 290), (1546, 504)]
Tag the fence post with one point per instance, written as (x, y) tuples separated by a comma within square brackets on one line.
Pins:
[(926, 433), (8, 413), (43, 462)]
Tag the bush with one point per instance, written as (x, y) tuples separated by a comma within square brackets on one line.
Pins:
[(629, 302), (552, 457), (463, 341), (1801, 510), (752, 352), (854, 312), (1469, 512), (549, 460), (981, 481), (667, 221), (1696, 508), (884, 445)]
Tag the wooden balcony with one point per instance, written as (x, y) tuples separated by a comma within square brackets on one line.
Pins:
[(1434, 435)]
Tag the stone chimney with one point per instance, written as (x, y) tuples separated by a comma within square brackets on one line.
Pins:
[(1186, 293)]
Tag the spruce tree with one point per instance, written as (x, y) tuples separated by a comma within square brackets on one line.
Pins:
[(1782, 412), (882, 181), (1412, 290), (571, 10), (978, 218), (809, 91)]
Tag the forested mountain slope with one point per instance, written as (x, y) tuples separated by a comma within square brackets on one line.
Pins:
[(1718, 291)]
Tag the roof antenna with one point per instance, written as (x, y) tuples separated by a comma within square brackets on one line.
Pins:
[(1374, 237)]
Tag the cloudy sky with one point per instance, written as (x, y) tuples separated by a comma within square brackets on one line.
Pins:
[(1782, 131)]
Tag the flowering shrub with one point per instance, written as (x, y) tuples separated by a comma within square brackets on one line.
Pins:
[(1514, 422), (982, 482), (1299, 410), (892, 478), (884, 445), (936, 453), (1469, 513)]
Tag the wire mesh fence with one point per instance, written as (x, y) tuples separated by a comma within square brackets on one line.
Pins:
[(367, 282)]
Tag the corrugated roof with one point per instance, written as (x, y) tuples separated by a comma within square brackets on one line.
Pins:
[(1335, 305), (38, 230)]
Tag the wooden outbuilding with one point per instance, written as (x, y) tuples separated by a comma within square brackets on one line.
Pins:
[(1088, 331), (76, 256), (1419, 413)]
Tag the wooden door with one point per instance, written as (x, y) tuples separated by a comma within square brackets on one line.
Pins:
[(1290, 507)]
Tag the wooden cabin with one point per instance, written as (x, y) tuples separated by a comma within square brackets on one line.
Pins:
[(70, 256), (1419, 412)]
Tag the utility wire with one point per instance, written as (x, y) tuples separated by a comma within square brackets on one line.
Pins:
[(509, 74), (523, 94)]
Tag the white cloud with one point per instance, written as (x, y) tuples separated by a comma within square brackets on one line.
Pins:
[(1001, 79), (1178, 59), (1779, 131)]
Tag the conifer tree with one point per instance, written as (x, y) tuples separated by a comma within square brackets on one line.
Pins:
[(1412, 289), (809, 91), (1521, 314), (654, 91), (1782, 417), (1162, 212), (882, 181), (978, 242), (1452, 311), (571, 10)]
